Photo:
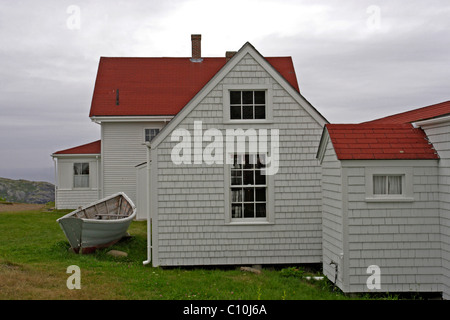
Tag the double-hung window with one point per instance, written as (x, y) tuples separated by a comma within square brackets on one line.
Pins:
[(81, 175), (248, 187)]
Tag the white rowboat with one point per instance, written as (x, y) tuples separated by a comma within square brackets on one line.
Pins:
[(100, 224)]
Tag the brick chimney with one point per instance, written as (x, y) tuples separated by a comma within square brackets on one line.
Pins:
[(229, 55), (196, 40)]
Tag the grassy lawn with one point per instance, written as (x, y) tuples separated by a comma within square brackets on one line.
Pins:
[(34, 258)]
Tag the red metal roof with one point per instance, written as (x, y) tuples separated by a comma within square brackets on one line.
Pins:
[(380, 141), (159, 86), (89, 148), (433, 111)]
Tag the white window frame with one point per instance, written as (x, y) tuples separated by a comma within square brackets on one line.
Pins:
[(82, 175), (150, 128), (247, 87), (407, 186), (268, 219)]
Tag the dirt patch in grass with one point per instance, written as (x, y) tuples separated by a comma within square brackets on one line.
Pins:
[(13, 207), (20, 282)]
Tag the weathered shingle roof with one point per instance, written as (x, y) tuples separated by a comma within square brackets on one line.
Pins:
[(380, 141), (432, 111), (88, 148), (159, 86)]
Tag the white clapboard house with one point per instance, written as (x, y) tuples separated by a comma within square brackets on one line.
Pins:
[(171, 136)]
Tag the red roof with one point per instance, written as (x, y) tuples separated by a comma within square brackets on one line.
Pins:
[(433, 111), (89, 148), (159, 86), (379, 141)]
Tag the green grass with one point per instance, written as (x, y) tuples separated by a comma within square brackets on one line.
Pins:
[(34, 257)]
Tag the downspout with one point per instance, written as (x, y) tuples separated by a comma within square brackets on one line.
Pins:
[(149, 219), (98, 178), (56, 179)]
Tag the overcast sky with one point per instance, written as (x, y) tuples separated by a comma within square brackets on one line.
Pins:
[(355, 60)]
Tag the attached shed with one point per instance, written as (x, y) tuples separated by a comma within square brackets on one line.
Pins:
[(380, 214), (78, 175)]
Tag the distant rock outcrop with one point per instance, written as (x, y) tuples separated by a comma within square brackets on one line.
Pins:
[(25, 191)]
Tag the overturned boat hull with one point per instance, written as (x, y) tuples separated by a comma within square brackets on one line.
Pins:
[(100, 224)]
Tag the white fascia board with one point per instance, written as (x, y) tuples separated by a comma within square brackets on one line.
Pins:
[(389, 163), (76, 155), (440, 121), (324, 139), (100, 119)]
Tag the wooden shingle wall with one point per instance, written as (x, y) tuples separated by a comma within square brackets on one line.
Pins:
[(192, 227), (440, 137)]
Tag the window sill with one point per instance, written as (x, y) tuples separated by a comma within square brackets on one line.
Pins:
[(249, 223), (389, 199), (249, 121)]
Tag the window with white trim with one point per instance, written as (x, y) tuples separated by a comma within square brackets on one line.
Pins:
[(248, 187), (81, 175), (387, 185), (149, 134), (247, 104)]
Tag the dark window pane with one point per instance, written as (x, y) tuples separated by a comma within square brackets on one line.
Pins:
[(260, 112), (249, 161), (248, 177), (236, 211), (259, 178), (260, 97), (260, 210), (237, 161), (77, 168), (260, 194), (249, 195), (249, 209), (247, 112), (235, 112), (85, 168), (236, 177), (236, 195), (261, 161), (235, 97), (247, 97)]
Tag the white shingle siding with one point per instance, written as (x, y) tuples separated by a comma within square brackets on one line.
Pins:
[(439, 135), (332, 218), (191, 226), (402, 238), (72, 199), (68, 197), (122, 149)]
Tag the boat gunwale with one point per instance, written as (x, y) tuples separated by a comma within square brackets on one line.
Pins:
[(121, 220)]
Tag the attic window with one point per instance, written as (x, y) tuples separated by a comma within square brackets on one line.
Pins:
[(248, 104)]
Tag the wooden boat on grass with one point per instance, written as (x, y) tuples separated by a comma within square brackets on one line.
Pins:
[(100, 224)]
